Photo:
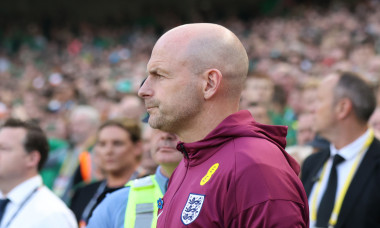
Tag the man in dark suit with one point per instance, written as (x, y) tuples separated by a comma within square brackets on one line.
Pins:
[(343, 182)]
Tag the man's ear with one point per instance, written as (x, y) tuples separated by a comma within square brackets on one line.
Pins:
[(213, 78), (33, 159), (344, 108)]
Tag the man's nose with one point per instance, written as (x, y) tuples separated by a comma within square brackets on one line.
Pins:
[(145, 89), (166, 136)]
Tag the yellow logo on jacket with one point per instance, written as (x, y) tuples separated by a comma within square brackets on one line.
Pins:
[(209, 174)]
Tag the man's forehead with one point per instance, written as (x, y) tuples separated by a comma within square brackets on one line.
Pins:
[(14, 133), (164, 64), (326, 88), (13, 130), (167, 49), (332, 77), (156, 69), (157, 59), (169, 46)]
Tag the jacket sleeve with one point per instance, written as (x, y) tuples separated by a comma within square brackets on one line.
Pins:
[(271, 214)]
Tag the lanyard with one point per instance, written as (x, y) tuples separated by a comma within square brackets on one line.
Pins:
[(338, 205), (91, 204), (101, 189), (21, 206)]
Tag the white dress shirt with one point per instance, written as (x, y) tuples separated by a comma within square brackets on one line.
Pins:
[(349, 153), (32, 205)]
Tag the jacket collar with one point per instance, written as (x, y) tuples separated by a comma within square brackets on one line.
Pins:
[(239, 124)]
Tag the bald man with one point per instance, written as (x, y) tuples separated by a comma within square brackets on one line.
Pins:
[(235, 172)]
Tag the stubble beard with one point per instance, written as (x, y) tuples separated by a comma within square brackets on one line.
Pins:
[(178, 117)]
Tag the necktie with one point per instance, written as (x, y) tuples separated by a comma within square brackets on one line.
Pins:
[(328, 200), (3, 205)]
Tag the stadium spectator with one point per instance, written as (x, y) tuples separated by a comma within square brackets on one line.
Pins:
[(118, 149), (78, 165), (120, 209)]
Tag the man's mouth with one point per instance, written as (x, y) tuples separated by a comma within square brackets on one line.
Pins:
[(166, 149)]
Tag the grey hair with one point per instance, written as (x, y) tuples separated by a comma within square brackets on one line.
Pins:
[(86, 110), (359, 92)]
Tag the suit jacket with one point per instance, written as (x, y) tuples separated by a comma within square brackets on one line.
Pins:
[(361, 205)]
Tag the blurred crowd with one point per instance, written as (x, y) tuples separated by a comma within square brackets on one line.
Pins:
[(70, 82)]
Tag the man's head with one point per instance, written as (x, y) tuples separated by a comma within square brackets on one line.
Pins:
[(259, 113), (131, 106), (83, 122), (341, 97), (118, 147), (164, 150), (259, 89), (23, 151), (305, 131), (193, 69)]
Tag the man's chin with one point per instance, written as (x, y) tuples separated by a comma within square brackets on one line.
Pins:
[(159, 124), (153, 123)]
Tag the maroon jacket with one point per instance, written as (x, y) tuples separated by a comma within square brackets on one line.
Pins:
[(239, 175)]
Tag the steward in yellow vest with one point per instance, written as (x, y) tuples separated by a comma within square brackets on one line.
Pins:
[(143, 200), (137, 204)]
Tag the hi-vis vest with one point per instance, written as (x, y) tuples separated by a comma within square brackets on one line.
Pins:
[(141, 211)]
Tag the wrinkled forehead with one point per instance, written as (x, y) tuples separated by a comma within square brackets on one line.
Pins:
[(165, 57), (170, 45)]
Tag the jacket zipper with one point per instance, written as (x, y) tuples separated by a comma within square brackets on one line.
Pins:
[(183, 150)]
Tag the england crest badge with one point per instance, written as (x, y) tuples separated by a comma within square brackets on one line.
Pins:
[(192, 208)]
